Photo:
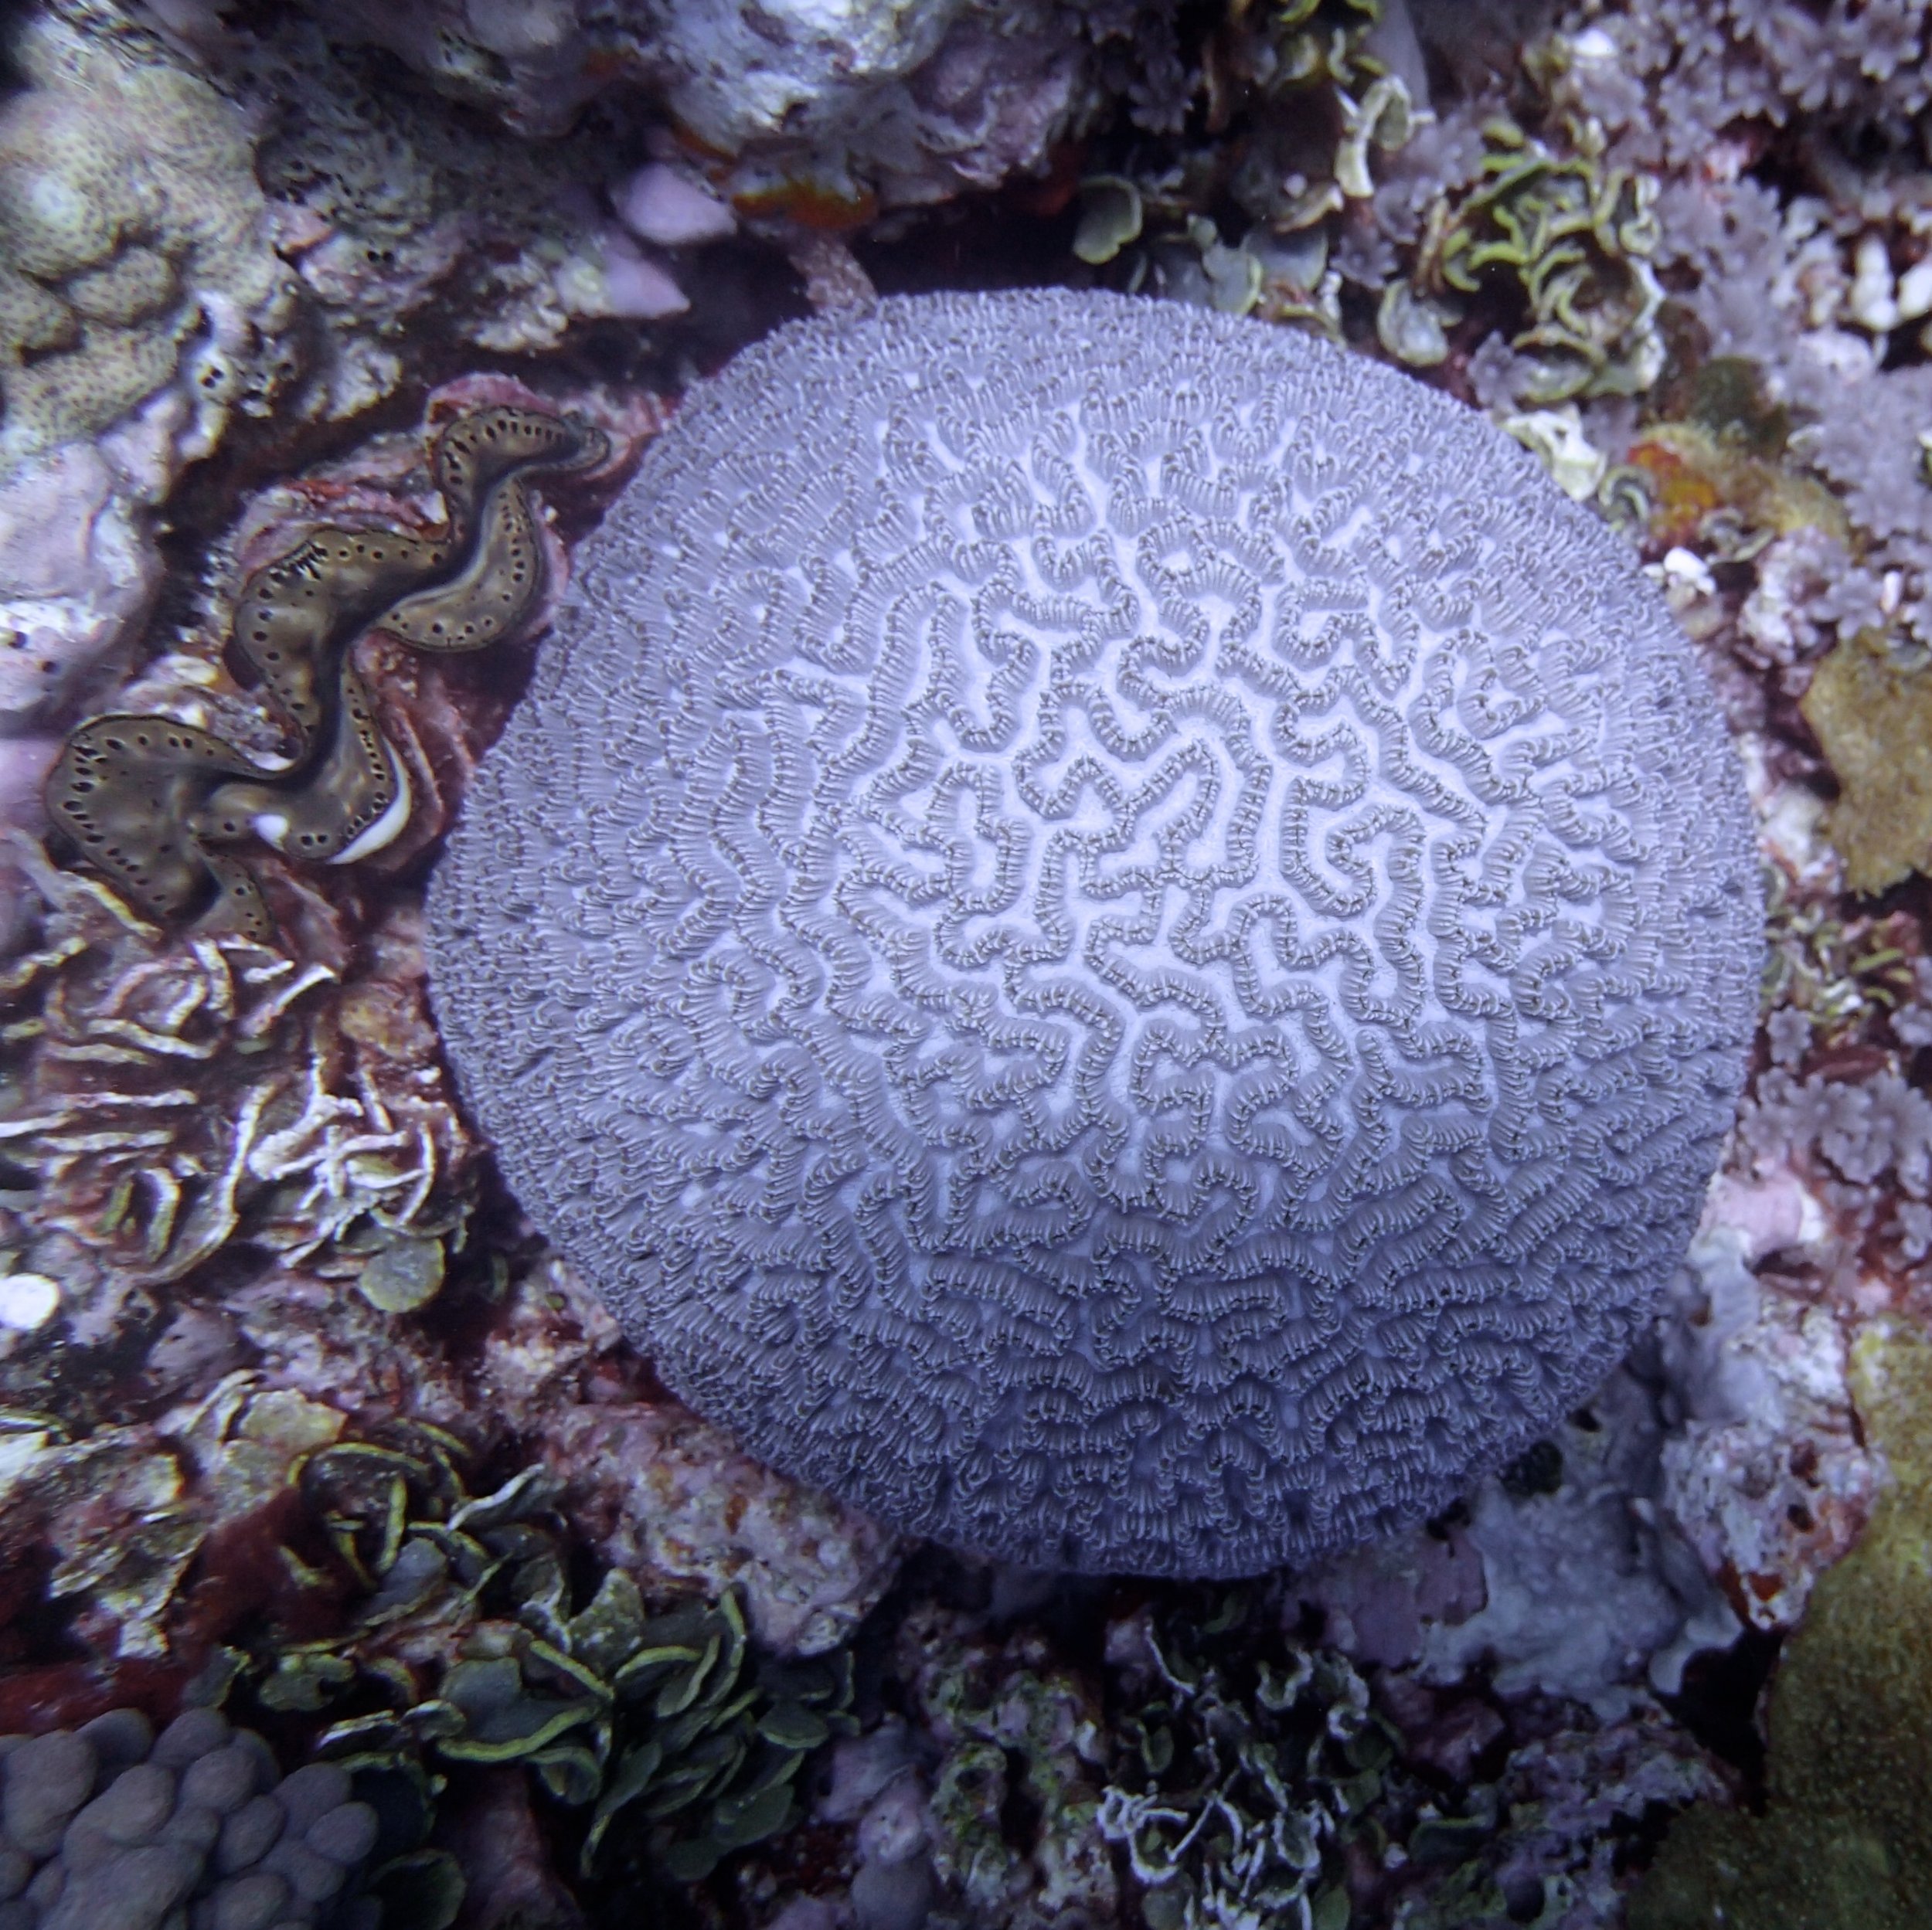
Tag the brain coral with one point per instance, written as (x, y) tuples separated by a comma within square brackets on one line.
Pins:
[(1115, 933)]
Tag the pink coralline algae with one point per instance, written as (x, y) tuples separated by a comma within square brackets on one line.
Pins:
[(1101, 955)]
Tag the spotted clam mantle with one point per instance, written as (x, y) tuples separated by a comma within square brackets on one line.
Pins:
[(160, 806), (1115, 933)]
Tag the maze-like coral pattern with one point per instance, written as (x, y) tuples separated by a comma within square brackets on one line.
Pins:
[(1116, 933)]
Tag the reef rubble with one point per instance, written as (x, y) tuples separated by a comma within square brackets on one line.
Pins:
[(302, 1423)]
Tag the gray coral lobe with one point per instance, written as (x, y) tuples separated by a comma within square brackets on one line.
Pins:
[(1114, 933), (189, 1830)]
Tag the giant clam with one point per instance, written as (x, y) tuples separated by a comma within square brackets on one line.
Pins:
[(164, 808)]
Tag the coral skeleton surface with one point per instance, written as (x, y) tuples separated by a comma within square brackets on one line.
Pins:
[(1115, 933)]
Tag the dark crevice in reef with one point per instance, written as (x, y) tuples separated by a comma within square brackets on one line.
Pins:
[(976, 243), (1719, 1701)]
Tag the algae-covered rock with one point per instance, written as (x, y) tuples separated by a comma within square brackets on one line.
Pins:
[(133, 247), (1846, 1839), (1874, 720)]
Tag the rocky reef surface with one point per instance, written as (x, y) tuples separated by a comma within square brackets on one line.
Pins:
[(306, 1441)]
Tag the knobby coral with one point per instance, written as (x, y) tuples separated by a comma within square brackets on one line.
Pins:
[(1133, 954), (134, 252), (109, 1827)]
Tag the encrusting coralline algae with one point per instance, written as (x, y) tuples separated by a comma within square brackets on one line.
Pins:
[(301, 1420)]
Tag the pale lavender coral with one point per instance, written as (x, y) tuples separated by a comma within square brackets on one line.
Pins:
[(663, 205), (1915, 1231), (109, 1827), (1499, 377), (1667, 75), (1789, 1032), (1879, 1126), (964, 997), (637, 285), (1444, 154), (1730, 235), (1377, 1602), (1860, 425), (1866, 443), (1912, 1023)]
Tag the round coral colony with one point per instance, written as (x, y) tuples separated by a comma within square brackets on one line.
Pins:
[(1115, 933)]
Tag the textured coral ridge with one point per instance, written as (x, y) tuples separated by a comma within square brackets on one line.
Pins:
[(1115, 933)]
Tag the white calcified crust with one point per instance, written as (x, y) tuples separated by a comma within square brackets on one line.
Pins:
[(1115, 933)]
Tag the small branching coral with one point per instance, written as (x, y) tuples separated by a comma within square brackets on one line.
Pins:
[(159, 805)]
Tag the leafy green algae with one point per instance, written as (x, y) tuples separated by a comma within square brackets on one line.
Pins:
[(1844, 1842)]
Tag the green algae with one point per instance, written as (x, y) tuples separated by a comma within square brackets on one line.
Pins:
[(1239, 1797), (1575, 236), (1845, 1840), (674, 1737)]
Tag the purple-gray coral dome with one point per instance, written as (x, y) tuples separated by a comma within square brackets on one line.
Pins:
[(1114, 933)]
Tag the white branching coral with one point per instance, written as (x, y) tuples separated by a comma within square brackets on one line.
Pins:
[(1113, 932)]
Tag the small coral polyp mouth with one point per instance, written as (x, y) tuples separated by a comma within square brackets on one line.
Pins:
[(1097, 949), (151, 801)]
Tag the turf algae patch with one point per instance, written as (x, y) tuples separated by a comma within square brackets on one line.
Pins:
[(1844, 1842), (161, 806), (1874, 721)]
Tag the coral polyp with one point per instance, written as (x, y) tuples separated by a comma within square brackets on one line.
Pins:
[(160, 805)]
